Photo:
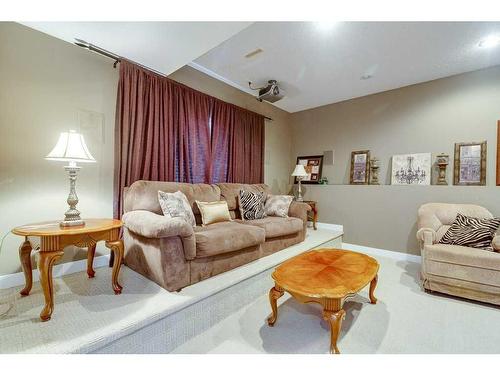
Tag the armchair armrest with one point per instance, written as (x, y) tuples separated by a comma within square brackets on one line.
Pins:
[(496, 243), (299, 210), (151, 225), (426, 236)]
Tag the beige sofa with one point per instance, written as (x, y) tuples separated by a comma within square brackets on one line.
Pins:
[(461, 271), (173, 254)]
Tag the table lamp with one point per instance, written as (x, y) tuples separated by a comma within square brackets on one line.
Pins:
[(300, 173), (71, 147)]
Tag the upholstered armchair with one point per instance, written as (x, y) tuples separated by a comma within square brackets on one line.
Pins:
[(457, 270)]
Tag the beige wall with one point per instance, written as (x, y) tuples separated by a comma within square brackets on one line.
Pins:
[(428, 117), (278, 148), (48, 86)]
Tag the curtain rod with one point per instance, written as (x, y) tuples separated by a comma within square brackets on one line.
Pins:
[(118, 58)]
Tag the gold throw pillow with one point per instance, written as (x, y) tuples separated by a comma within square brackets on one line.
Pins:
[(213, 212)]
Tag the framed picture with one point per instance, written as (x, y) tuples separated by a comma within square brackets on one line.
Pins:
[(498, 154), (360, 167), (411, 169), (313, 166), (470, 164)]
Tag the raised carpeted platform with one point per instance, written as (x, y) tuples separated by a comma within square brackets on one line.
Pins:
[(145, 318)]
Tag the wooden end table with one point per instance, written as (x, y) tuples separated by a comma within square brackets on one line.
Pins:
[(327, 277), (53, 240), (314, 216)]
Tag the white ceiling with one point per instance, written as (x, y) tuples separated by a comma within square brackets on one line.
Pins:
[(163, 46), (318, 63)]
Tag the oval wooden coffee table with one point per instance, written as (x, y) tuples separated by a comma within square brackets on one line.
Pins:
[(327, 277)]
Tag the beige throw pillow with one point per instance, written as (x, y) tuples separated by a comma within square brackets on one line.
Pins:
[(176, 205), (213, 212), (278, 205)]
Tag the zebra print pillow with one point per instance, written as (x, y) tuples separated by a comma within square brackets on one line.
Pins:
[(252, 205), (471, 232)]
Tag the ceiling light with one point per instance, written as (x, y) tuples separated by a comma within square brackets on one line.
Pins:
[(366, 76), (489, 42), (325, 25)]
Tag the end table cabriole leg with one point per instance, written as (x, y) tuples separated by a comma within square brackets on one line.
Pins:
[(90, 261), (335, 319), (47, 260), (373, 285), (315, 217), (111, 260), (275, 293), (25, 257), (117, 249)]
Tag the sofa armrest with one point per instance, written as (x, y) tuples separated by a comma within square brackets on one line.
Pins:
[(496, 243), (426, 236), (151, 225), (299, 210)]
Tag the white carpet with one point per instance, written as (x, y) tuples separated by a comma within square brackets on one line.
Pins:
[(89, 317), (405, 320)]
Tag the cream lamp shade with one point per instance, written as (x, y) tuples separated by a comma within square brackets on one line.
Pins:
[(71, 147), (299, 171)]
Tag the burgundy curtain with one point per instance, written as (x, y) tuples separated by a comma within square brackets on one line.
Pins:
[(161, 131), (166, 131), (237, 144)]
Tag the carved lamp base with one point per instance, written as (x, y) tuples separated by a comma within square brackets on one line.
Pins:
[(71, 223), (72, 215)]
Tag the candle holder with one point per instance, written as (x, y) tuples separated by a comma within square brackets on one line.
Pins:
[(442, 161), (374, 167)]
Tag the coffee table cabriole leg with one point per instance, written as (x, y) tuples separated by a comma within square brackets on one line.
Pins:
[(275, 293), (373, 285), (333, 314), (25, 257)]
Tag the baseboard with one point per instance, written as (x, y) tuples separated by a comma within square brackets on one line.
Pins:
[(17, 279), (333, 227), (384, 253)]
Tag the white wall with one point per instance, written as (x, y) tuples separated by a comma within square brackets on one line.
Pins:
[(428, 117), (48, 86)]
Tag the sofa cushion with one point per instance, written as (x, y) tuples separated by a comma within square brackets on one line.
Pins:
[(213, 212), (230, 191), (251, 205), (277, 226), (461, 255), (471, 232), (220, 238), (278, 205), (176, 205)]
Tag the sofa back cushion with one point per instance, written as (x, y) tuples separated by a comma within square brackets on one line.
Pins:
[(143, 195), (439, 216), (230, 192)]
